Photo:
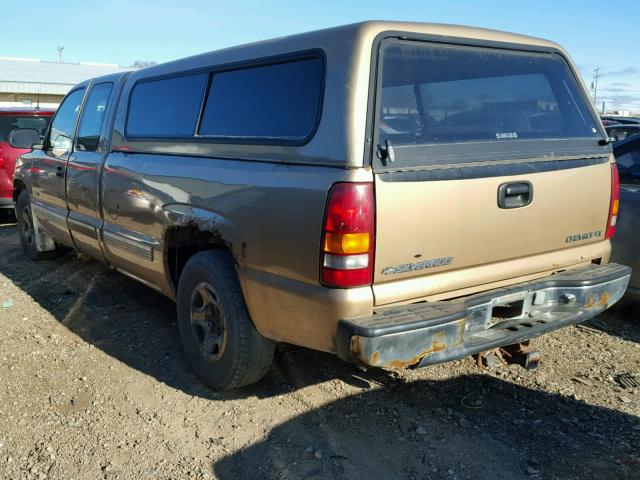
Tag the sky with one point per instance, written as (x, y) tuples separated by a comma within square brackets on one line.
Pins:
[(594, 32)]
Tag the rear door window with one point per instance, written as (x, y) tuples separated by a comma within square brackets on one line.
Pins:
[(435, 95), (93, 115)]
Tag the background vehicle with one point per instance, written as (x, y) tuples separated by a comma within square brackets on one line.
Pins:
[(621, 120), (10, 119), (397, 194), (626, 243), (620, 132)]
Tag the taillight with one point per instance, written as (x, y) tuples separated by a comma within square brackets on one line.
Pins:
[(348, 236), (614, 204)]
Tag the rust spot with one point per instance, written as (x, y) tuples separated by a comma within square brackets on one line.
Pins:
[(435, 347), (460, 332), (355, 346), (375, 357), (602, 300), (438, 343)]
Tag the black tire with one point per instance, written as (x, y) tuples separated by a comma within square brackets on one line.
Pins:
[(219, 339), (26, 231)]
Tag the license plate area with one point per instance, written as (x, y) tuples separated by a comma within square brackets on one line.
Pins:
[(507, 311), (500, 310), (515, 306)]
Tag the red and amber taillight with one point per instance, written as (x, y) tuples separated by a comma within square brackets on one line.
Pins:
[(614, 203), (348, 236)]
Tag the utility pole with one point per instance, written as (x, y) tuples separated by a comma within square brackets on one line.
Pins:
[(594, 84), (60, 49)]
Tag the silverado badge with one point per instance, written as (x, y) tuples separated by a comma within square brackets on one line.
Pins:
[(411, 267)]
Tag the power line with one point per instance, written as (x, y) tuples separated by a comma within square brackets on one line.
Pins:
[(594, 84)]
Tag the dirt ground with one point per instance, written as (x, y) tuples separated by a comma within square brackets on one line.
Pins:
[(93, 385)]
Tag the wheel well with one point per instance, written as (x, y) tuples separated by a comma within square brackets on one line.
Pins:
[(181, 243), (18, 187)]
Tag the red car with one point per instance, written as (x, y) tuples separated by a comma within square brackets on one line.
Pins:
[(11, 118)]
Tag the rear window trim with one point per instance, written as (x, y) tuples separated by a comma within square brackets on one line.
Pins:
[(195, 137), (492, 151), (576, 146), (491, 169)]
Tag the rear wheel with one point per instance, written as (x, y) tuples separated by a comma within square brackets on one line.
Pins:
[(219, 339)]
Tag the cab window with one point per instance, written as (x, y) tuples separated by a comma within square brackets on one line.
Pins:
[(63, 125)]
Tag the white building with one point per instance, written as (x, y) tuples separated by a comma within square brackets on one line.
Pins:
[(25, 82)]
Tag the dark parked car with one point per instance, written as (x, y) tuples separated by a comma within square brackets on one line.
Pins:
[(626, 242), (619, 119), (620, 132), (608, 123), (10, 119)]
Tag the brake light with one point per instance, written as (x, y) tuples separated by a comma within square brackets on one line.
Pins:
[(348, 236), (614, 204)]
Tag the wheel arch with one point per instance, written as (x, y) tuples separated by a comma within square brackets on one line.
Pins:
[(189, 231), (18, 187)]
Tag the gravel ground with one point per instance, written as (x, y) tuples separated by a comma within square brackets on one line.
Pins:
[(93, 385)]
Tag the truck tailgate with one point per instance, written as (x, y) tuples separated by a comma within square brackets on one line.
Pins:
[(457, 225), (487, 160)]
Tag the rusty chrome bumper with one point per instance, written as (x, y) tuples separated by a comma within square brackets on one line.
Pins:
[(424, 333)]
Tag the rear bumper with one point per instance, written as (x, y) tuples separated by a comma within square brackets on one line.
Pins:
[(428, 333)]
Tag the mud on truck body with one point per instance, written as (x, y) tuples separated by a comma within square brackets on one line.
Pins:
[(398, 194)]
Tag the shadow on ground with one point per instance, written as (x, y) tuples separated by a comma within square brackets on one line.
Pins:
[(472, 427), (7, 217), (468, 427), (137, 325), (622, 320)]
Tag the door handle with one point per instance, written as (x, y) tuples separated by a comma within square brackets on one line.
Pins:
[(60, 172), (515, 195)]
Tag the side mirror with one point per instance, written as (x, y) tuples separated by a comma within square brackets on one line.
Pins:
[(24, 137)]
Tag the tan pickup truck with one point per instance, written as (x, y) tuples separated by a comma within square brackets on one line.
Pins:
[(399, 194)]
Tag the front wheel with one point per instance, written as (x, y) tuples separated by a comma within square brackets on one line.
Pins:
[(219, 339), (27, 230)]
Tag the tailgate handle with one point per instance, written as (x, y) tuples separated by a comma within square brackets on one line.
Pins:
[(515, 195)]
